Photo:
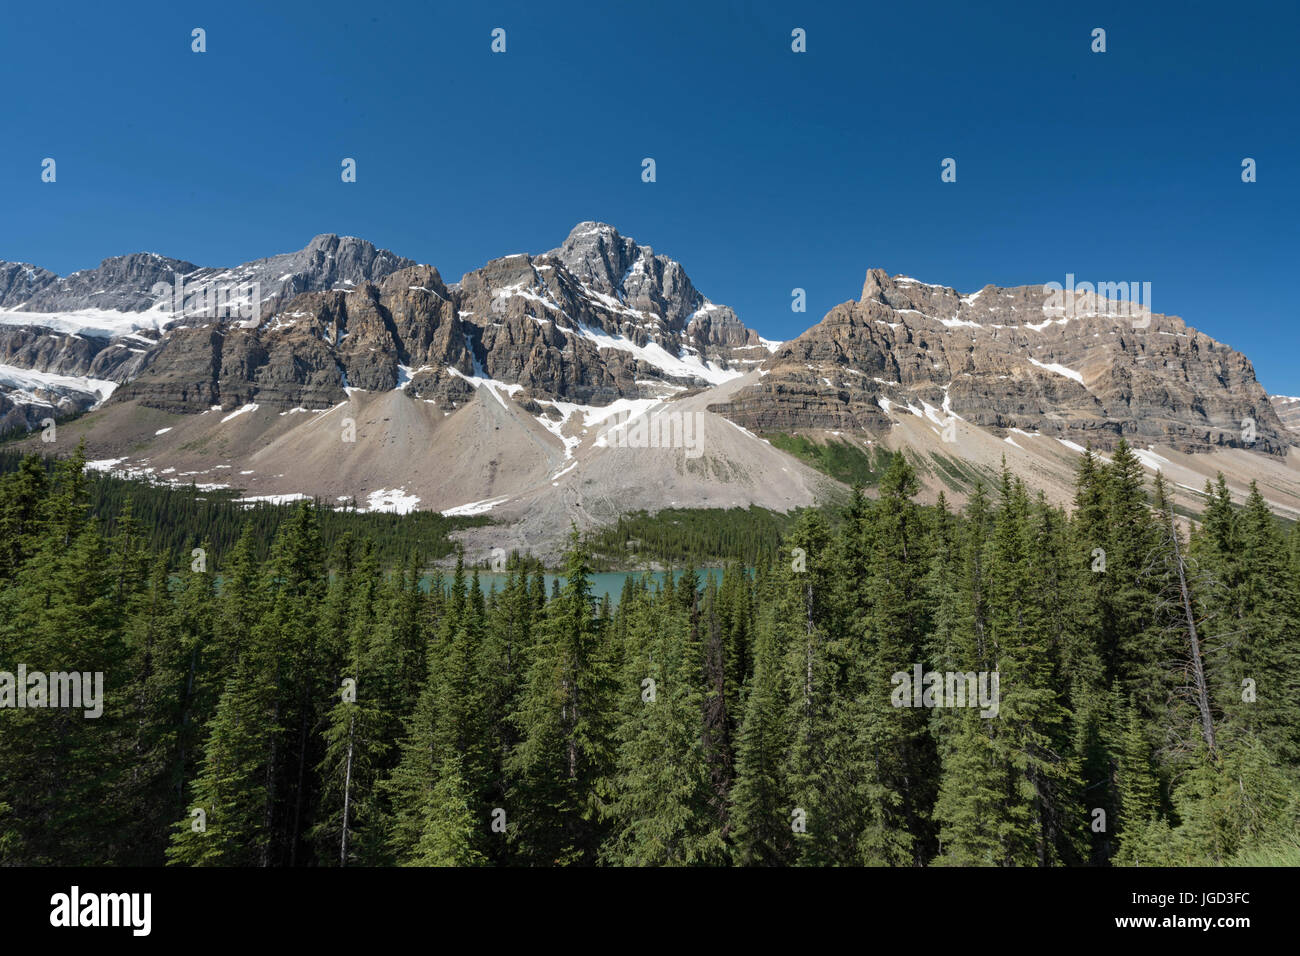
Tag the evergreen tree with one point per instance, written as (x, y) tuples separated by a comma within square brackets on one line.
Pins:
[(448, 836), (565, 725), (761, 806), (664, 807), (1139, 795), (227, 821)]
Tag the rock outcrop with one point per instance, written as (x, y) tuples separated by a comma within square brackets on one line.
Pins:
[(116, 322), (602, 318), (1288, 411), (1080, 368), (127, 283), (598, 319)]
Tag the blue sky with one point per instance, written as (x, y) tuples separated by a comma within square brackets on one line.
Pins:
[(774, 169)]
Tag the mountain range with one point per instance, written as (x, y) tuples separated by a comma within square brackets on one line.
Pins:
[(525, 389)]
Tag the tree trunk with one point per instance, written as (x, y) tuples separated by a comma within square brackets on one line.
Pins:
[(347, 792), (1198, 669)]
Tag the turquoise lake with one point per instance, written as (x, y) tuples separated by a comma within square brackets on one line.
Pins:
[(602, 582)]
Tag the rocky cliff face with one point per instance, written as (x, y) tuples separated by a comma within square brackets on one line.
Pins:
[(598, 319), (114, 322), (1079, 368), (123, 283), (309, 354), (1288, 411), (127, 283), (602, 318), (648, 285)]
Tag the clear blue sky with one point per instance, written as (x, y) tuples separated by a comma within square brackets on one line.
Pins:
[(775, 169)]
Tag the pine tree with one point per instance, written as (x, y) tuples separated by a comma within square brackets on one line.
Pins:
[(448, 836), (348, 826), (1139, 794), (1260, 681), (499, 669), (22, 499), (565, 728), (152, 740), (287, 639), (1131, 539), (1030, 737), (194, 619), (735, 616), (663, 810), (761, 806), (227, 821), (59, 617), (899, 767), (719, 725), (967, 807)]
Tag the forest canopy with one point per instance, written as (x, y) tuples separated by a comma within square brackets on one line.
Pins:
[(300, 700)]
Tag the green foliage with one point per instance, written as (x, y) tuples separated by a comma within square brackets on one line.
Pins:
[(842, 460), (304, 701), (680, 536), (175, 520)]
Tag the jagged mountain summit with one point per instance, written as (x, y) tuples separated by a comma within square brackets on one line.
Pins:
[(513, 390), (126, 283), (1086, 370), (1288, 410), (597, 319), (66, 343)]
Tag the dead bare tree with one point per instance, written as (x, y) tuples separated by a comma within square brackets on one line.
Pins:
[(1179, 607)]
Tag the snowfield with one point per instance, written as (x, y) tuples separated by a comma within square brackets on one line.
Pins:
[(1058, 369), (99, 323), (26, 381)]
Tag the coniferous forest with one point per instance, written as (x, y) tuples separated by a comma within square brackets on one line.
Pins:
[(293, 704)]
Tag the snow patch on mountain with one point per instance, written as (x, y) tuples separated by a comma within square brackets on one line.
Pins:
[(491, 384), (475, 507), (28, 381), (252, 407), (689, 366), (394, 501), (1058, 369), (97, 323)]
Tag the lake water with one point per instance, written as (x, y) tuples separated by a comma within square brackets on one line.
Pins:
[(602, 582)]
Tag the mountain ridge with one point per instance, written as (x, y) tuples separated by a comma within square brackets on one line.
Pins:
[(1091, 371), (510, 390)]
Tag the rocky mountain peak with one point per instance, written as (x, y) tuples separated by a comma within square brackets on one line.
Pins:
[(875, 284), (617, 266), (903, 293), (331, 244), (123, 283), (596, 254), (326, 262), (139, 265), (1090, 370), (602, 322), (126, 283), (599, 319), (19, 281)]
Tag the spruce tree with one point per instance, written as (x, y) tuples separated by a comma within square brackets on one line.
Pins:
[(761, 805), (663, 810), (565, 724)]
